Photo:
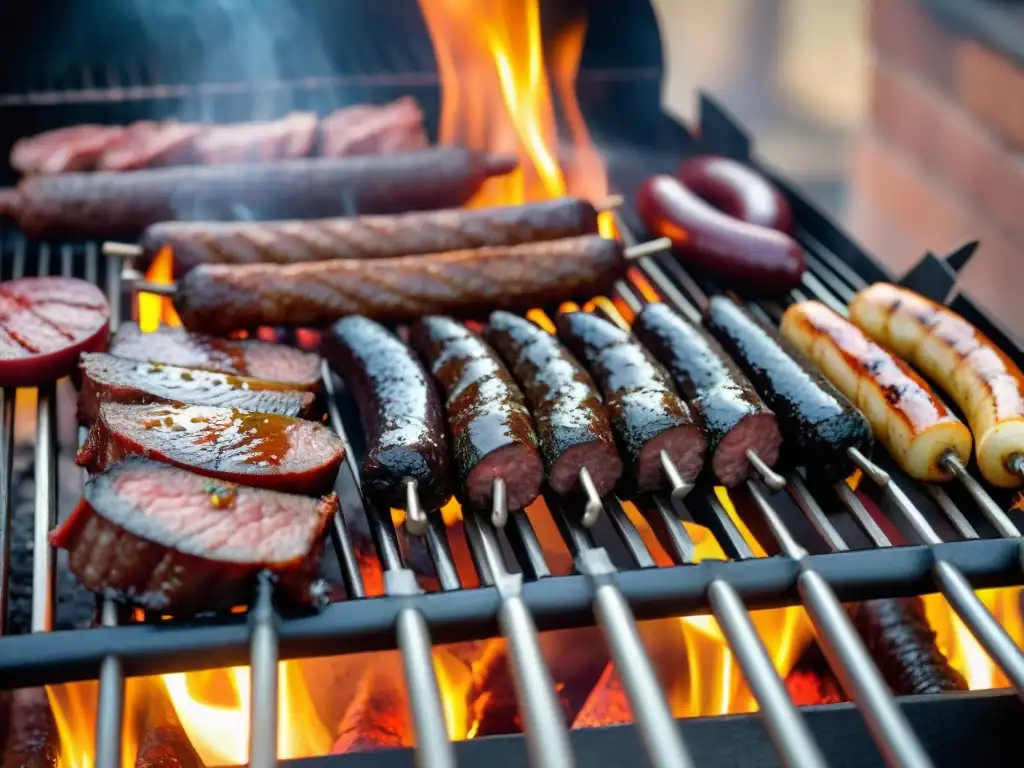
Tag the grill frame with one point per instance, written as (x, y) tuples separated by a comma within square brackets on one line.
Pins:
[(452, 614)]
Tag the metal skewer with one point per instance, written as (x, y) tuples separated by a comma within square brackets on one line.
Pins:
[(499, 503), (1017, 464), (771, 478), (263, 670), (680, 488), (415, 517), (122, 250), (986, 503), (593, 507)]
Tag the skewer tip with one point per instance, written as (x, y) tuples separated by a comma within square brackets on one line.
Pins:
[(650, 248), (499, 504), (415, 517), (610, 203), (161, 289), (592, 509), (680, 488), (1017, 464), (875, 473), (122, 250), (771, 478)]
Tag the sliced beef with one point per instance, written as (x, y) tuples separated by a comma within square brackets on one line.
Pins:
[(259, 449), (64, 150), (170, 540), (241, 357), (109, 379), (147, 144), (374, 130), (292, 136)]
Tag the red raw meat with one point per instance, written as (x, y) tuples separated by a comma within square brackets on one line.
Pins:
[(45, 324), (63, 150), (147, 144), (373, 130), (292, 136)]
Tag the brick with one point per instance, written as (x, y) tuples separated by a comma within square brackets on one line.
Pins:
[(992, 88), (941, 135), (896, 205), (906, 32)]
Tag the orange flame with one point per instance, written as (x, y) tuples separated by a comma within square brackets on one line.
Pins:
[(154, 309)]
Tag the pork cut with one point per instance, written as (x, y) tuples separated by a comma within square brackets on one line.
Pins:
[(169, 540), (241, 357), (259, 449), (109, 379)]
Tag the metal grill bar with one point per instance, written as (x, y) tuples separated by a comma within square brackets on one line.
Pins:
[(6, 498)]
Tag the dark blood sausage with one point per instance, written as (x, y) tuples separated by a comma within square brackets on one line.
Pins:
[(646, 414), (902, 643), (169, 540), (572, 423), (400, 412), (220, 298), (239, 357), (31, 739), (735, 419), (818, 424), (109, 379), (491, 431), (738, 190), (45, 324), (111, 204), (258, 449), (368, 237), (743, 254), (163, 742)]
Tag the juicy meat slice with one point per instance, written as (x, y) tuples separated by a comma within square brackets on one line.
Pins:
[(75, 148), (259, 449), (379, 130), (292, 136), (241, 357), (109, 379), (148, 144), (170, 540)]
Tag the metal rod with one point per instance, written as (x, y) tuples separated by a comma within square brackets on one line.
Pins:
[(499, 503), (8, 395), (441, 554), (160, 289), (814, 513), (610, 203), (110, 701), (907, 508), (433, 746), (43, 561), (122, 250), (593, 507), (680, 488), (630, 536), (786, 728), (263, 670), (415, 517), (992, 511), (650, 248), (867, 523), (771, 478), (1017, 464)]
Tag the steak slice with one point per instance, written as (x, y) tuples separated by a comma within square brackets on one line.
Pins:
[(109, 379), (366, 129), (292, 136), (242, 357), (259, 449), (75, 148), (148, 144), (169, 540)]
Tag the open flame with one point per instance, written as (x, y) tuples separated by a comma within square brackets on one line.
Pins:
[(152, 308)]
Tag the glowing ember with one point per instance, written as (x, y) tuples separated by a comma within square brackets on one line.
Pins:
[(154, 309)]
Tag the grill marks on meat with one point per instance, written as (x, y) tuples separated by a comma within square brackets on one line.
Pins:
[(735, 419), (109, 379), (818, 423), (259, 449), (240, 357), (399, 409), (491, 430), (572, 424), (165, 539), (902, 643), (648, 417), (369, 237), (221, 298)]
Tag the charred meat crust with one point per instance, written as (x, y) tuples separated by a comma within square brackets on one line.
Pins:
[(818, 423), (639, 397), (564, 400), (400, 411), (715, 387), (486, 412)]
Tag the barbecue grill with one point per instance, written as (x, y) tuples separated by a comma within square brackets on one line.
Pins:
[(827, 545)]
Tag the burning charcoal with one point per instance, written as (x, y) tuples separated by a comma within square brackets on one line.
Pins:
[(377, 718), (607, 703), (163, 742), (902, 644), (31, 739)]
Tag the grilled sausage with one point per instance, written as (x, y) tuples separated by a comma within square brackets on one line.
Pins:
[(219, 298), (744, 254), (399, 409), (818, 424), (735, 420), (646, 414), (491, 431), (109, 204), (738, 190), (368, 237), (572, 423), (907, 417), (986, 385)]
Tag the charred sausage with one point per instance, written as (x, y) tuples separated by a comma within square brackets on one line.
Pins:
[(399, 409), (109, 204), (219, 298), (491, 431), (368, 237), (572, 423), (907, 417), (738, 190), (648, 417), (743, 254), (818, 423), (986, 385), (735, 419)]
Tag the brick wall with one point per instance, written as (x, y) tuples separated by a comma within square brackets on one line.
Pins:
[(942, 160)]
